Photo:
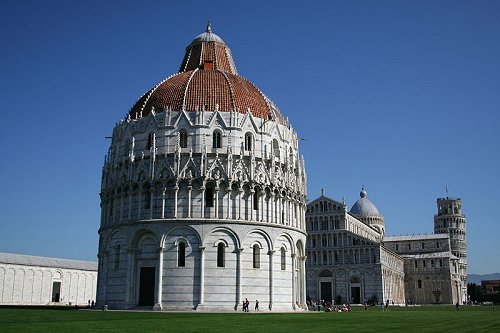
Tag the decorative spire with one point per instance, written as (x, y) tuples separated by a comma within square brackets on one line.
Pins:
[(209, 27)]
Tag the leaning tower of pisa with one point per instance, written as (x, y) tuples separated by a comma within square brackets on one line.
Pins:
[(451, 220)]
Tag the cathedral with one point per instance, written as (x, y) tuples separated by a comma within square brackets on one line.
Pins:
[(351, 260), (203, 195)]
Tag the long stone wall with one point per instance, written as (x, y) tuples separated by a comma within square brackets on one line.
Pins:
[(37, 285)]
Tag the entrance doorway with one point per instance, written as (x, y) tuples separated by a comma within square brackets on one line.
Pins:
[(437, 296), (56, 292), (147, 286), (355, 295), (355, 290), (326, 291)]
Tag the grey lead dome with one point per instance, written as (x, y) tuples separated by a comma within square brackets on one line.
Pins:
[(364, 207), (207, 36)]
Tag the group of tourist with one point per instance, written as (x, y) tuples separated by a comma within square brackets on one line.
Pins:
[(246, 304), (343, 308), (322, 305)]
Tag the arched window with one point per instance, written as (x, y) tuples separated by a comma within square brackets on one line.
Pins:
[(283, 259), (150, 141), (217, 139), (256, 256), (248, 141), (181, 254), (221, 254), (209, 197), (419, 283), (256, 200), (117, 256), (147, 197), (276, 148), (183, 138)]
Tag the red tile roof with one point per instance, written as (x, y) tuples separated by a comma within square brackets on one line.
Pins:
[(207, 79)]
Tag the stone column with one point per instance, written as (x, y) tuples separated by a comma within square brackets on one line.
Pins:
[(202, 189), (163, 197), (262, 201), (240, 191), (128, 281), (238, 276), (176, 191), (293, 280), (279, 215), (104, 270), (252, 198), (271, 206), (228, 190), (271, 287), (159, 281), (189, 188), (139, 206), (130, 193), (151, 202), (303, 282), (202, 275), (216, 192), (122, 195)]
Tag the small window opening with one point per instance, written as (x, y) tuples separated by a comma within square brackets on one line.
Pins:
[(256, 200), (209, 197), (150, 141), (283, 259), (248, 142), (117, 256), (221, 252), (256, 256), (183, 139), (216, 139), (147, 198), (181, 254)]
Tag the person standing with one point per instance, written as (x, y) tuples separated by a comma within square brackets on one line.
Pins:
[(256, 305), (247, 303)]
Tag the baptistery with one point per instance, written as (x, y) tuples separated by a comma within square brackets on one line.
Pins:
[(203, 195)]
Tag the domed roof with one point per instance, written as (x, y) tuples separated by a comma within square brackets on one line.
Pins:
[(364, 207), (207, 36), (207, 80)]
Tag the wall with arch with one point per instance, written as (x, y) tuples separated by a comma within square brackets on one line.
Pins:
[(259, 263), (33, 285)]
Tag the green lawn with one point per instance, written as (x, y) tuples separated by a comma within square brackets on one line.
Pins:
[(411, 319)]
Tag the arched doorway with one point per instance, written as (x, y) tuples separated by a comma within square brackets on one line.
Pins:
[(355, 284), (325, 284)]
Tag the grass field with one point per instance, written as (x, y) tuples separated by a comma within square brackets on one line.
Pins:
[(411, 319)]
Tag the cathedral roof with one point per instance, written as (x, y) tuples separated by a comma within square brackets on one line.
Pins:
[(364, 207), (26, 260), (414, 237), (431, 255), (207, 80)]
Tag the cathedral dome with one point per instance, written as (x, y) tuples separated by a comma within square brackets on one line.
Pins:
[(207, 80), (364, 207)]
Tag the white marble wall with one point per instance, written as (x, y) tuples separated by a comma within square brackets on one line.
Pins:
[(32, 285)]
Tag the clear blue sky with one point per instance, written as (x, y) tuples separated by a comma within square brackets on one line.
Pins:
[(401, 96)]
